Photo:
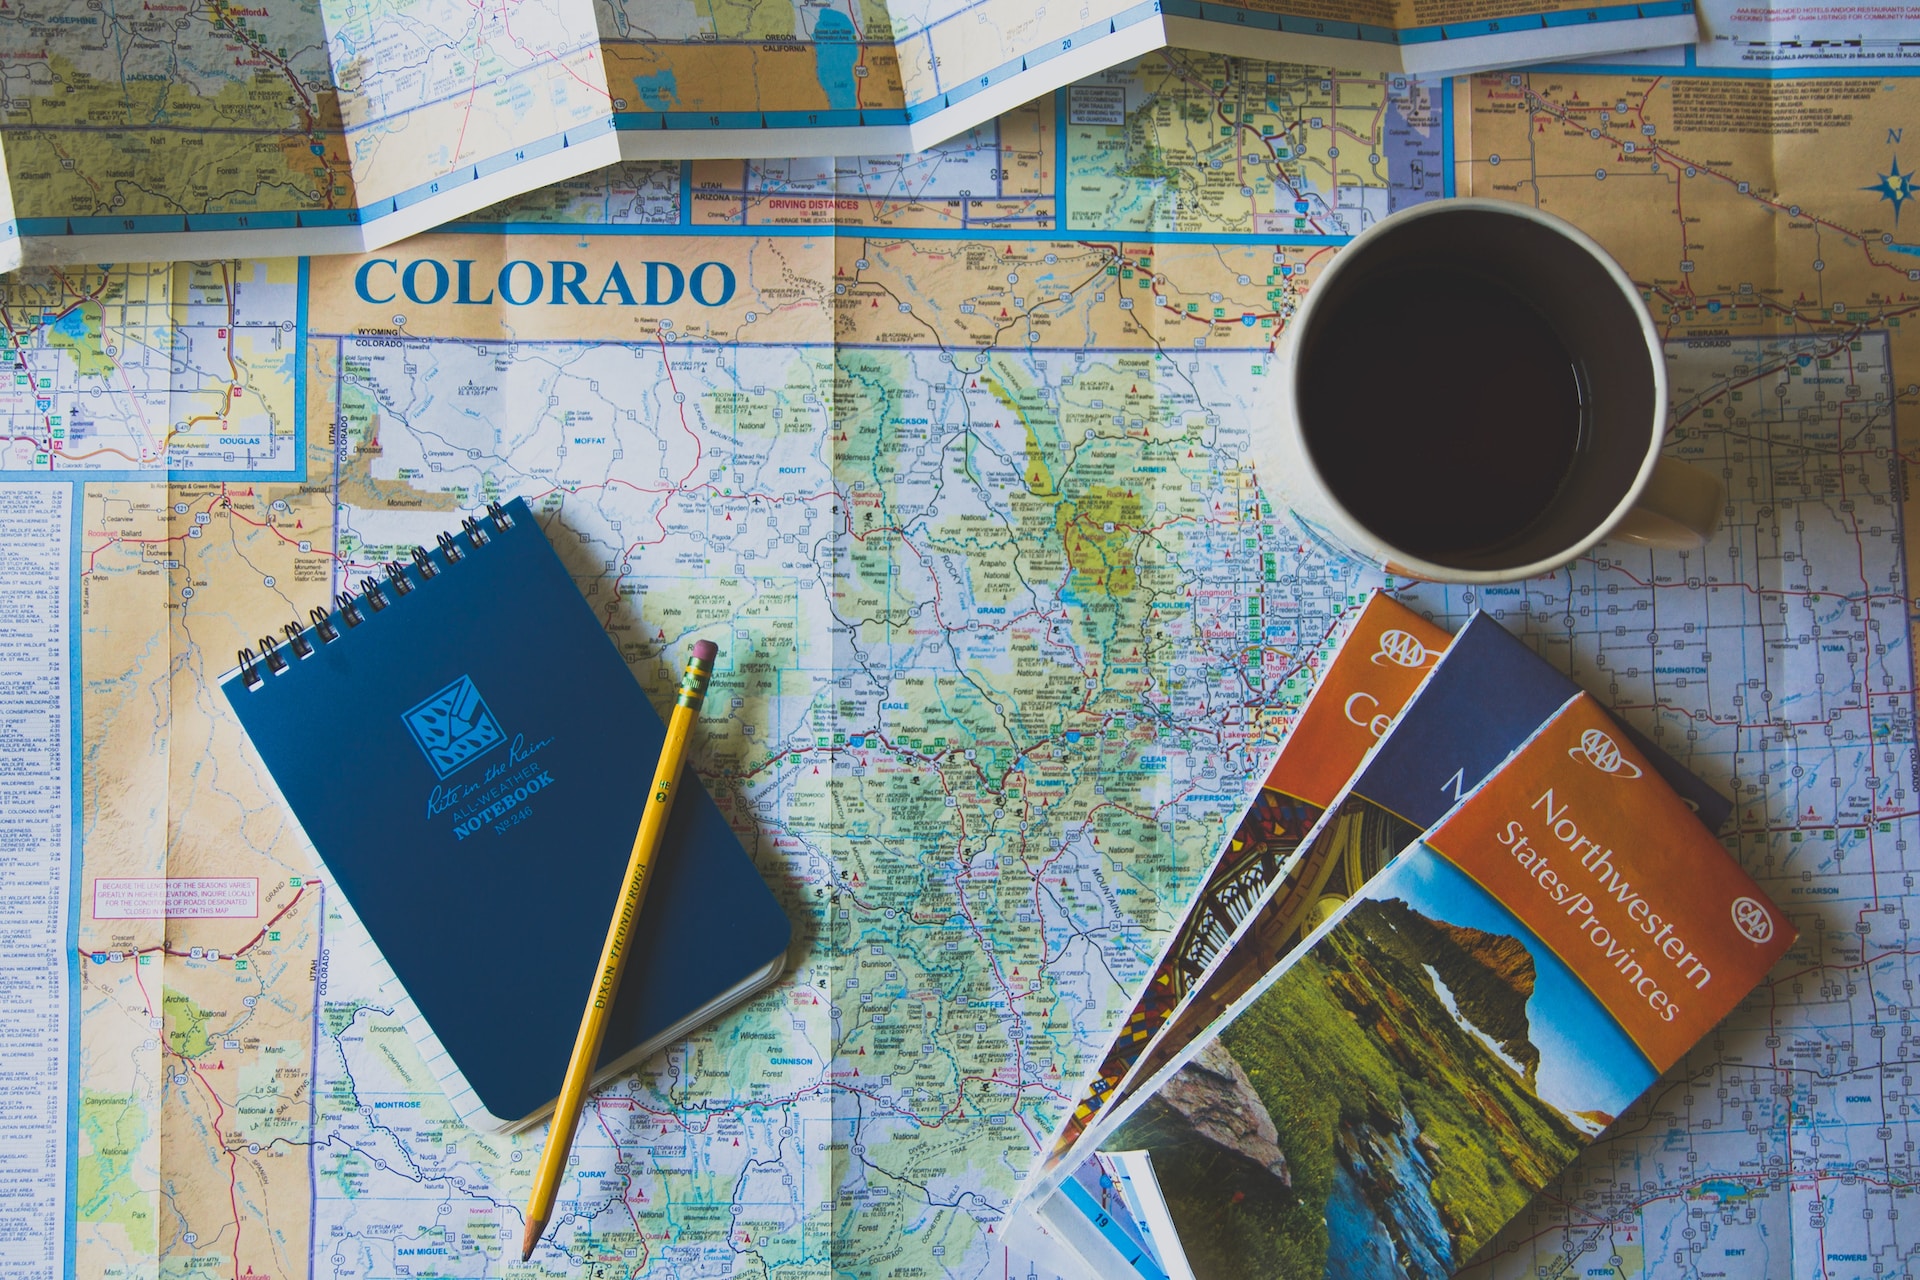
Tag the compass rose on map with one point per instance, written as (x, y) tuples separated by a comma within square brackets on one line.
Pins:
[(1897, 187)]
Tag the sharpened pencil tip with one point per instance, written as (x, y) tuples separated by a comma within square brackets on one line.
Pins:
[(531, 1237)]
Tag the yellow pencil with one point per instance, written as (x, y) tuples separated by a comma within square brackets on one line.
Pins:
[(613, 956)]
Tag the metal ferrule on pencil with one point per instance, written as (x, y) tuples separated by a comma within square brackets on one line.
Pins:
[(693, 684)]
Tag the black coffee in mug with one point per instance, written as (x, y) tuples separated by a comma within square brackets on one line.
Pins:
[(1441, 409), (1473, 391)]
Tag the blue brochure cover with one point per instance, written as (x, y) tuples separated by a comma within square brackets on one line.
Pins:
[(1482, 704), (471, 759)]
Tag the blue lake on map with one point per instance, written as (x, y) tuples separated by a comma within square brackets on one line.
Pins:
[(835, 53), (1726, 1189), (658, 92)]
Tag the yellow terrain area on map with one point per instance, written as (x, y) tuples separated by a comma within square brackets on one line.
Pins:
[(769, 74), (198, 1023), (100, 119)]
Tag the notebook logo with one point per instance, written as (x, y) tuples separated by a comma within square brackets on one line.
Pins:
[(454, 728)]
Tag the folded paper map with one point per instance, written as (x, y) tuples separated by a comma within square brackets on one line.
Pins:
[(324, 127), (343, 125)]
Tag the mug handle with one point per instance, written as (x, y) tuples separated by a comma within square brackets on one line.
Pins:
[(1679, 509)]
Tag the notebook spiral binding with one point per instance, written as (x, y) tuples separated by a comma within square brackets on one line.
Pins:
[(304, 641)]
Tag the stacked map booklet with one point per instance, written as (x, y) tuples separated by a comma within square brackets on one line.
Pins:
[(1507, 923), (341, 126)]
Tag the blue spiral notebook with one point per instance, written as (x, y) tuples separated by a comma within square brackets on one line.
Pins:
[(470, 756)]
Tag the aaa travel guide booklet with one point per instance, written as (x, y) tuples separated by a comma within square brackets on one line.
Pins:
[(1472, 705), (1449, 1038), (1487, 694)]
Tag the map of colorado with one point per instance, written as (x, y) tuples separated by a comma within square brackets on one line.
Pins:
[(953, 473), (1186, 142)]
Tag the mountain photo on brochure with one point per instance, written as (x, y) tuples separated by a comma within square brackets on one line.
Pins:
[(1450, 1039)]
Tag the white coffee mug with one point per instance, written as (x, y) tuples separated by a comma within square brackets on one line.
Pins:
[(1618, 486)]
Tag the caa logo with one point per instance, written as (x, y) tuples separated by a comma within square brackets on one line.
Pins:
[(1600, 751), (1401, 648), (1752, 919), (454, 728)]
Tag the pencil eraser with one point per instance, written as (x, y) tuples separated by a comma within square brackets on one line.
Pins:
[(705, 651)]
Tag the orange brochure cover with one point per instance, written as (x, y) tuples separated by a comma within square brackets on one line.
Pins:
[(1583, 842)]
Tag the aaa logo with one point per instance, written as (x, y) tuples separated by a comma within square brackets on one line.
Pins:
[(453, 728), (1603, 753), (1401, 648), (1752, 919)]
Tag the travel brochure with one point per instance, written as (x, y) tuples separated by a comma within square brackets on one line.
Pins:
[(1484, 697), (1408, 1034)]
